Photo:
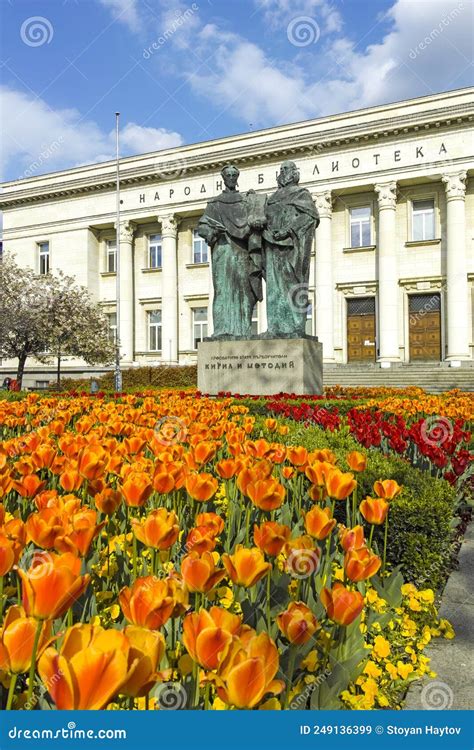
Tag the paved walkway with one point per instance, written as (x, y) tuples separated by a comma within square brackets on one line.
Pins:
[(453, 661)]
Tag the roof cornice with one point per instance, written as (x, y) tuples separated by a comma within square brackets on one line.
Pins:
[(272, 148)]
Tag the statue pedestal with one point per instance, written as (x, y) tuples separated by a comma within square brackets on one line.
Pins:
[(261, 367)]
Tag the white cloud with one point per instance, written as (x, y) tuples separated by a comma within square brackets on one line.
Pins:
[(278, 13), (37, 139), (125, 11), (425, 48)]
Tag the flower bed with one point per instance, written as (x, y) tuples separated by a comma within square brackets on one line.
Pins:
[(183, 552)]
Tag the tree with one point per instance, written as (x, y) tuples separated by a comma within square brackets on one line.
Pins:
[(49, 316), (76, 325), (23, 307)]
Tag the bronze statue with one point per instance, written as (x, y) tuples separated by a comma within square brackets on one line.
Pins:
[(292, 219), (231, 225)]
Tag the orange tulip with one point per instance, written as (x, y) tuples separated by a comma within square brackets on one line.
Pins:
[(200, 573), (163, 482), (283, 429), (341, 604), (204, 452), (266, 494), (374, 510), (324, 455), (247, 670), (201, 487), (288, 472), (29, 486), (88, 670), (160, 529), (17, 638), (52, 585), (271, 537), (340, 485), (297, 623), (91, 462), (319, 522), (318, 471), (148, 602), (108, 501), (7, 555), (43, 527), (136, 489), (297, 455), (70, 480), (212, 521), (361, 564), (270, 424), (258, 448), (356, 461), (388, 489), (226, 468), (246, 566), (201, 539), (351, 538), (147, 648), (44, 456), (205, 634), (79, 532)]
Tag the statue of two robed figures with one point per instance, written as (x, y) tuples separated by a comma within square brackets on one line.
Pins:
[(253, 237)]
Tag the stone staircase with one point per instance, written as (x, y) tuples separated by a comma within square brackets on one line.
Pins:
[(434, 378)]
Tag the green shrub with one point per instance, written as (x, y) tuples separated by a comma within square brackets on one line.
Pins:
[(137, 378), (421, 517)]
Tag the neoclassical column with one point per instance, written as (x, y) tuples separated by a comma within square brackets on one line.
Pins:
[(388, 312), (457, 291), (324, 287), (169, 294), (127, 229)]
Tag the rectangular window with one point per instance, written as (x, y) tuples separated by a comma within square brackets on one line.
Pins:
[(112, 318), (154, 330), (360, 226), (199, 325), (41, 385), (200, 249), (309, 320), (154, 251), (423, 220), (111, 256), (255, 321), (43, 252)]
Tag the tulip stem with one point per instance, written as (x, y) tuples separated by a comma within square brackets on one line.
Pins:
[(196, 685), (31, 676), (291, 669), (247, 524), (268, 602), (11, 691), (134, 556), (385, 538), (371, 535)]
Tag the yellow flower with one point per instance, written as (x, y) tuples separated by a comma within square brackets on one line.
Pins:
[(392, 670), (272, 704), (370, 687), (408, 589), (446, 629), (311, 661), (372, 669), (382, 700), (404, 669), (414, 604), (381, 647), (185, 665), (338, 574), (427, 595), (218, 705)]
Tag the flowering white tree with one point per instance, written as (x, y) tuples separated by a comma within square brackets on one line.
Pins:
[(49, 316)]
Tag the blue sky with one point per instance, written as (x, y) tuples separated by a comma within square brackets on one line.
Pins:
[(181, 72)]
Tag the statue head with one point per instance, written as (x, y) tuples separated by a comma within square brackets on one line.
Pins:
[(230, 175), (289, 174)]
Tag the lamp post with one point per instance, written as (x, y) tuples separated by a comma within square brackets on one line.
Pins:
[(118, 372)]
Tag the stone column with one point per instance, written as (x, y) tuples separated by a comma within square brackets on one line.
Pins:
[(210, 320), (387, 275), (169, 294), (127, 296), (457, 291), (324, 287)]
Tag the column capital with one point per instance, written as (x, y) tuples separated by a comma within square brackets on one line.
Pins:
[(455, 185), (323, 201), (126, 231), (386, 194), (169, 225)]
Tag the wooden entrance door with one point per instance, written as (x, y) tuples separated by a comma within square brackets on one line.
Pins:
[(425, 327), (361, 345)]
